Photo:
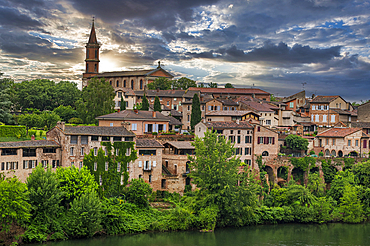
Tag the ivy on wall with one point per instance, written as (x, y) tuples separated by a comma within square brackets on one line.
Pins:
[(109, 169), (329, 170), (302, 165)]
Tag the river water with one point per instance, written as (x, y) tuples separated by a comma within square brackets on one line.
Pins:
[(286, 234)]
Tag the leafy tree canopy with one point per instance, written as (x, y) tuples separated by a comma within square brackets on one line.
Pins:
[(157, 104), (145, 103), (65, 112), (228, 85), (212, 85), (184, 83), (296, 142), (6, 93), (196, 114), (161, 83)]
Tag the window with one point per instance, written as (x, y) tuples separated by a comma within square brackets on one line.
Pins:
[(327, 141), (163, 184), (110, 82), (247, 162), (141, 84), (324, 118), (128, 151), (248, 139), (71, 150), (29, 152), (44, 163), (134, 127), (49, 150), (231, 132), (72, 163), (95, 68), (356, 143), (147, 165), (319, 107), (96, 53), (203, 107), (117, 152), (117, 139), (120, 94), (268, 122), (232, 139), (140, 163), (129, 139), (84, 139), (119, 167), (188, 117), (258, 129), (365, 144), (95, 151), (25, 164), (147, 152), (333, 141), (117, 84), (150, 178), (82, 151), (74, 139), (168, 103), (349, 142), (247, 151), (95, 166), (94, 138), (325, 107), (105, 139), (313, 107), (291, 105), (106, 166), (188, 107), (317, 119), (9, 152), (132, 84), (332, 118), (106, 151), (87, 67), (81, 165), (53, 164), (238, 139), (124, 83)]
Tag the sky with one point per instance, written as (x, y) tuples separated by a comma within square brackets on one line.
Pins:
[(281, 46)]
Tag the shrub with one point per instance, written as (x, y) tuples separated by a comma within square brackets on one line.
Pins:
[(321, 154), (75, 121), (12, 131), (139, 192), (312, 152)]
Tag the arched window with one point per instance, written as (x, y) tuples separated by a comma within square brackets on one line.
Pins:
[(340, 153), (117, 83), (132, 84), (327, 153), (110, 82), (141, 84), (124, 83), (265, 153), (333, 153), (95, 68)]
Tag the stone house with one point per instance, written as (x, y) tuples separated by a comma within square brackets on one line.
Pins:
[(138, 121), (295, 101), (148, 165), (268, 113), (226, 115), (20, 158), (363, 112), (176, 165), (342, 142), (76, 141)]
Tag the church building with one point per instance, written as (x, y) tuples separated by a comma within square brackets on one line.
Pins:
[(122, 81)]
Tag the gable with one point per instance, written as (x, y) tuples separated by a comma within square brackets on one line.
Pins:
[(160, 73)]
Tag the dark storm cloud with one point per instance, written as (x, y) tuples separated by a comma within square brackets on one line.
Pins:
[(13, 18), (271, 53), (149, 13)]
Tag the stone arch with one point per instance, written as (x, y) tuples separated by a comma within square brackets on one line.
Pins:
[(282, 173), (327, 153), (265, 153), (333, 153), (315, 170), (340, 153), (298, 175), (270, 173)]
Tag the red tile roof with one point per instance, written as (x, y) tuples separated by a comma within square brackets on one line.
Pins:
[(228, 125), (338, 132), (324, 99), (229, 90)]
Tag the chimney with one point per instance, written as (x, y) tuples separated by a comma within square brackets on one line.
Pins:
[(154, 114), (61, 125), (33, 137), (119, 110), (136, 111), (126, 125), (157, 89)]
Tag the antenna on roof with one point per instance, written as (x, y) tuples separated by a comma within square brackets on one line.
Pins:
[(304, 83)]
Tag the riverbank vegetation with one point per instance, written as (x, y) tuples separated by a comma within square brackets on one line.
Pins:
[(68, 203)]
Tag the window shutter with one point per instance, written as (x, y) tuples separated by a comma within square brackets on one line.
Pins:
[(150, 165), (164, 127), (154, 163), (273, 140), (146, 127), (365, 144), (140, 163)]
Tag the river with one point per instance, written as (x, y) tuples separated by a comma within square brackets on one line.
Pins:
[(285, 234)]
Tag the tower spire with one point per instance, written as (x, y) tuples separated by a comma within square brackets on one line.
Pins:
[(92, 38), (92, 54)]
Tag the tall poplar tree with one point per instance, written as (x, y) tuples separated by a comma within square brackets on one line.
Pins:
[(145, 104), (196, 115), (157, 104), (123, 104)]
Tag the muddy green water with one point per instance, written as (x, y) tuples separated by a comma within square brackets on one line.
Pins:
[(288, 234)]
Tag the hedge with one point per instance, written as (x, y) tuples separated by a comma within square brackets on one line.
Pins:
[(12, 131)]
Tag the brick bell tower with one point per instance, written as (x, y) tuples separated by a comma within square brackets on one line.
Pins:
[(92, 55)]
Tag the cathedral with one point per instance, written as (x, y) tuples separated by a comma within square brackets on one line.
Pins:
[(122, 81)]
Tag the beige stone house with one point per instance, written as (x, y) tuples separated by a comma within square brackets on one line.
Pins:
[(227, 115), (342, 142), (20, 158)]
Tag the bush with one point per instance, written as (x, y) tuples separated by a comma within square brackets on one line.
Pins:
[(139, 192), (312, 152), (12, 131), (321, 154), (75, 121)]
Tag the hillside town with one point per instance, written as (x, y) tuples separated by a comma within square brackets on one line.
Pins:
[(255, 121)]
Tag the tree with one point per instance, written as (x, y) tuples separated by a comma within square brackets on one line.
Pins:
[(65, 93), (196, 115), (362, 173), (65, 112), (45, 196), (157, 104), (49, 119), (215, 171), (212, 85), (139, 192), (145, 104), (228, 85), (161, 83), (351, 207), (296, 142), (13, 203), (123, 104), (5, 100), (97, 100), (74, 182), (316, 184), (183, 84)]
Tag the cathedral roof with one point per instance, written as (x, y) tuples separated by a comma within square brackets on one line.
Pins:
[(92, 38)]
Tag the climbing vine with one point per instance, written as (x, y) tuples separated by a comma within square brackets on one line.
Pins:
[(109, 166), (329, 170), (302, 165), (283, 172), (263, 173)]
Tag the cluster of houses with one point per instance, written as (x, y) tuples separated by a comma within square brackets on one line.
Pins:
[(247, 117)]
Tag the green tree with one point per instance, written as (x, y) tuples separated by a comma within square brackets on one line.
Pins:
[(183, 84), (74, 182), (49, 119), (97, 100), (161, 83), (84, 216), (139, 192), (65, 93), (212, 85), (196, 115), (123, 104), (350, 206), (13, 203), (316, 184), (272, 98), (228, 85), (65, 112), (362, 173), (5, 100), (45, 198), (340, 181), (157, 104), (296, 142), (145, 104)]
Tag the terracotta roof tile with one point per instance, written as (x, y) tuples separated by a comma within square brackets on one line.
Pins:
[(324, 99), (230, 90), (228, 124), (338, 132), (131, 115), (259, 107), (229, 113)]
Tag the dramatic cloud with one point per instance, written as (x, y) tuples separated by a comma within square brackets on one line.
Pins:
[(274, 45)]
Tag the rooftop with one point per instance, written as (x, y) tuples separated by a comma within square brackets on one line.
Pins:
[(29, 144), (228, 125), (148, 143), (324, 99), (259, 107), (131, 115), (230, 90), (338, 132), (132, 73), (229, 113), (98, 131), (181, 144)]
